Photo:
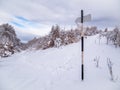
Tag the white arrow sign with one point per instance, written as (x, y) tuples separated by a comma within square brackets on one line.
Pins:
[(86, 18)]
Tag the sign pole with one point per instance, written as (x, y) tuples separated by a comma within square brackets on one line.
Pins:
[(82, 47), (79, 20)]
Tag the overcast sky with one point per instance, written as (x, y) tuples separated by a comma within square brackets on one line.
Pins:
[(35, 17)]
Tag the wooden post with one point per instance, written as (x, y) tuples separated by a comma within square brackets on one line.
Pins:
[(82, 47), (79, 20)]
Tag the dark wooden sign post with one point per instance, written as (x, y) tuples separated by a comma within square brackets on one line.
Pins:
[(81, 20), (82, 47)]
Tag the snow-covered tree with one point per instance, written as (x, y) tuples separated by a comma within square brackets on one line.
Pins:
[(58, 42), (112, 36), (8, 40), (55, 32)]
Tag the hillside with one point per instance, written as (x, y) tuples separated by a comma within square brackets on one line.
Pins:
[(59, 68)]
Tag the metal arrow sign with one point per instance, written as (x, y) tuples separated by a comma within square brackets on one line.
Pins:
[(86, 18)]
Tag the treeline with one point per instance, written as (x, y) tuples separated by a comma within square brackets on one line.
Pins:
[(112, 36), (59, 37), (10, 44)]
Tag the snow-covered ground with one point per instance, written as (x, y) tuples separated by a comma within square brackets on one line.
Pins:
[(60, 68)]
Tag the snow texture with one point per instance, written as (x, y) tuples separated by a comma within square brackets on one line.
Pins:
[(60, 68)]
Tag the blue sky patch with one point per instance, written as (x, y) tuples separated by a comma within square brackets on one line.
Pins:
[(22, 18), (25, 21), (17, 24)]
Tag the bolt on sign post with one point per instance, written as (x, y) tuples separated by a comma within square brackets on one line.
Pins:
[(81, 20)]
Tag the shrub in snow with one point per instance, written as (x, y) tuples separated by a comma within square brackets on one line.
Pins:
[(71, 37), (66, 40), (58, 42)]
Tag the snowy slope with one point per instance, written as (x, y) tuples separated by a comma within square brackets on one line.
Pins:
[(59, 69)]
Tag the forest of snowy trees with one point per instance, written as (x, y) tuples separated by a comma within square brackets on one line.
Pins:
[(58, 37), (9, 43)]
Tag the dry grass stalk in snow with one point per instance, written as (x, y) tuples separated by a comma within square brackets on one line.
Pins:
[(96, 59), (110, 64)]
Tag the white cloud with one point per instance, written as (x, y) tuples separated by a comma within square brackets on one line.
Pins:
[(44, 13)]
